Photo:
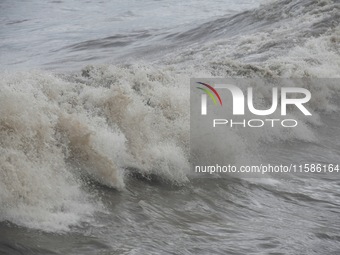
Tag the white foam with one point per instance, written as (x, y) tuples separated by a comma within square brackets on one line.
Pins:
[(113, 117)]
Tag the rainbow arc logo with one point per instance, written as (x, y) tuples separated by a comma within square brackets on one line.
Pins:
[(210, 91)]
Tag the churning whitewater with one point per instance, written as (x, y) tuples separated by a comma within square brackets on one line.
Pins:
[(68, 138)]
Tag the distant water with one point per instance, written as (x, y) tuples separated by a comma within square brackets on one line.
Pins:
[(94, 128), (68, 34)]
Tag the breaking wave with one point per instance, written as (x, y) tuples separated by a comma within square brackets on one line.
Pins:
[(107, 121)]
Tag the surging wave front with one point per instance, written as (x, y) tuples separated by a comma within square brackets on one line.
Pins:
[(109, 120)]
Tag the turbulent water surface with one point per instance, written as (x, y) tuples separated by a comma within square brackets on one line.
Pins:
[(94, 127)]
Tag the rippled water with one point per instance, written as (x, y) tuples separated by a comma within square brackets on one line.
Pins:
[(52, 34), (94, 128)]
